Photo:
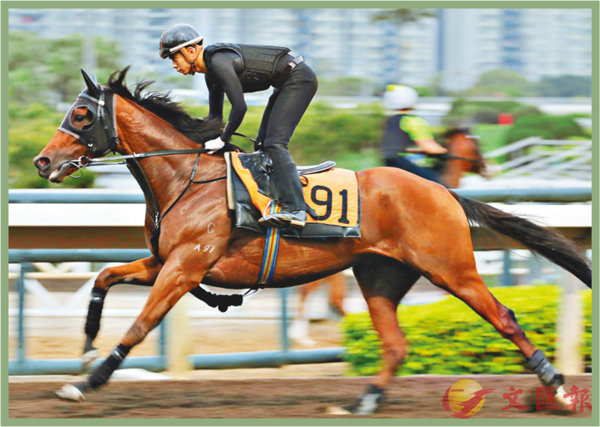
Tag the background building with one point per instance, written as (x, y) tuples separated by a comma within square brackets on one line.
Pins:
[(458, 45)]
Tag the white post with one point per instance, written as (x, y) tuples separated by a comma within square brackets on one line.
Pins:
[(570, 328), (178, 342)]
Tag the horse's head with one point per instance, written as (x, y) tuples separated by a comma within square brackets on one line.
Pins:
[(87, 131), (461, 143)]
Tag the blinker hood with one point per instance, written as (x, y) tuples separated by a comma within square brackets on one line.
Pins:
[(90, 109)]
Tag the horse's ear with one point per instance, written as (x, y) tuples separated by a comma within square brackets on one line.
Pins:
[(91, 83)]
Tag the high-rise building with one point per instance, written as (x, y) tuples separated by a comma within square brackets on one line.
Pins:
[(458, 44), (532, 42)]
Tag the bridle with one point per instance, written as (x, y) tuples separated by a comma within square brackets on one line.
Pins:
[(98, 140), (103, 139)]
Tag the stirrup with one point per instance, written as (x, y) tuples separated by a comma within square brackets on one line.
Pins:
[(295, 219)]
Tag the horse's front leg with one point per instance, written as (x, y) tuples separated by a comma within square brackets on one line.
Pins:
[(141, 272), (170, 285)]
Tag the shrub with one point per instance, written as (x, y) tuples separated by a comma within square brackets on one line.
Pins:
[(545, 126), (472, 112), (447, 337)]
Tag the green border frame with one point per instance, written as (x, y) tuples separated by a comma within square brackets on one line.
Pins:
[(594, 6)]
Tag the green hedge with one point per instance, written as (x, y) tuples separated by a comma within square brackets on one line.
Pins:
[(467, 111), (448, 338), (544, 126)]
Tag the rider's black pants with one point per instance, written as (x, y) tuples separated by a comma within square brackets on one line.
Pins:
[(402, 163), (284, 110)]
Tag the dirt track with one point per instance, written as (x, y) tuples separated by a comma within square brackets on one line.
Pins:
[(408, 397)]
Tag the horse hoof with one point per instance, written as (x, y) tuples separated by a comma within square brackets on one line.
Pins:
[(70, 392), (89, 357), (563, 402), (365, 404), (337, 410)]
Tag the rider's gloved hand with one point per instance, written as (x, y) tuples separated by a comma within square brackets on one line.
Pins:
[(214, 145)]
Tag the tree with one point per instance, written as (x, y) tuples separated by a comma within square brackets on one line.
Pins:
[(566, 86), (502, 82), (54, 76), (37, 82)]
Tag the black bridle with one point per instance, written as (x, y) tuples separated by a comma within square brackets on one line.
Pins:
[(100, 135)]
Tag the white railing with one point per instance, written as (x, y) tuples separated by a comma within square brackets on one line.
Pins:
[(545, 159)]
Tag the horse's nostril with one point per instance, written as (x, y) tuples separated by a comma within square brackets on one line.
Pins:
[(41, 163)]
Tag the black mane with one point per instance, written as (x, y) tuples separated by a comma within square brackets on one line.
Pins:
[(198, 130)]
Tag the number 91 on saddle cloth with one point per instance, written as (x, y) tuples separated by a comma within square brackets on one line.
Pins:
[(332, 197)]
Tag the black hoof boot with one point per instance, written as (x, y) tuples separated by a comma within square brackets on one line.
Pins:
[(367, 403)]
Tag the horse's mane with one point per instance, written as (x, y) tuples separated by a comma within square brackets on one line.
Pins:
[(197, 129)]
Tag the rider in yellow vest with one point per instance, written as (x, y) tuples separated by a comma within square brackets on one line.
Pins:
[(234, 69), (404, 129)]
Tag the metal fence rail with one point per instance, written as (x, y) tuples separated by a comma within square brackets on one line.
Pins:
[(562, 195), (25, 366)]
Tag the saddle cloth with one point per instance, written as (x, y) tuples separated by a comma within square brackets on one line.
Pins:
[(333, 208)]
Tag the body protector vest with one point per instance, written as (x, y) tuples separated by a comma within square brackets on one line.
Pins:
[(395, 140), (259, 63)]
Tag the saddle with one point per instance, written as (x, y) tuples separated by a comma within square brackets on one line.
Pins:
[(331, 196)]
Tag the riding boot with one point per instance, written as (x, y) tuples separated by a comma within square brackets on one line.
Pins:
[(288, 191)]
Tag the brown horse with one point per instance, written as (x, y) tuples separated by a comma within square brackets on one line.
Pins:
[(463, 156), (298, 330), (410, 227)]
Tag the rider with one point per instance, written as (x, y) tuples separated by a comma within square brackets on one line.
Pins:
[(234, 69), (404, 129)]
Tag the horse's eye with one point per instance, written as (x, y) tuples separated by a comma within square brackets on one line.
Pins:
[(79, 118)]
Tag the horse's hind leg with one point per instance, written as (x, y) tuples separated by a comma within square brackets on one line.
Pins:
[(460, 277), (298, 330), (140, 272), (337, 291), (383, 282)]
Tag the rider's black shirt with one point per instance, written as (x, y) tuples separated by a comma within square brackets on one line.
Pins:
[(234, 69)]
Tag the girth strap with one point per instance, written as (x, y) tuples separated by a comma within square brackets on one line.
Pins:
[(269, 260)]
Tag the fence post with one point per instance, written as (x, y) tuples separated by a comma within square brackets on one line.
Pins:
[(21, 351), (507, 279), (179, 345), (285, 344), (570, 327)]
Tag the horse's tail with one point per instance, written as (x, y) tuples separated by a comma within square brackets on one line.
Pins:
[(543, 241)]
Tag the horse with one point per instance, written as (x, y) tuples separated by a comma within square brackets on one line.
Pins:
[(410, 227), (298, 330), (464, 156)]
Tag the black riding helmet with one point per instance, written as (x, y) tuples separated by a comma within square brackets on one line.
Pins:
[(176, 37)]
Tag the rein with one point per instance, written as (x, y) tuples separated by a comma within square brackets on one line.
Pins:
[(85, 161), (451, 157)]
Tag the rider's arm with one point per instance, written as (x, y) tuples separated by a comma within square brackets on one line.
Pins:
[(419, 132), (223, 71)]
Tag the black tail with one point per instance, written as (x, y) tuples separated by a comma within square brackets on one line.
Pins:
[(545, 242)]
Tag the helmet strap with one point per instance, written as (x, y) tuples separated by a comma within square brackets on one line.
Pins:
[(191, 61)]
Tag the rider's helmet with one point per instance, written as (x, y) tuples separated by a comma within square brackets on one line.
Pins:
[(177, 37), (398, 97)]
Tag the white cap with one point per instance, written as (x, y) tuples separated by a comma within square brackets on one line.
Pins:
[(398, 97)]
